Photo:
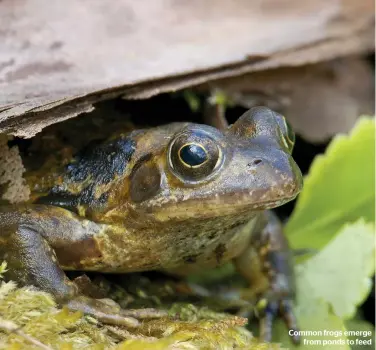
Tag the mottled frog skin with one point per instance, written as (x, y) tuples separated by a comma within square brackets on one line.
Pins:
[(176, 198)]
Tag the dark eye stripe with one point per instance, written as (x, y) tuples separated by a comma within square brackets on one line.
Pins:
[(193, 155)]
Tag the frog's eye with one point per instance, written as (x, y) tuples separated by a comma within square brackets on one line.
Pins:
[(262, 121), (288, 135), (194, 156)]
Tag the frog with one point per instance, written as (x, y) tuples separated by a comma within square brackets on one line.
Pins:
[(176, 198)]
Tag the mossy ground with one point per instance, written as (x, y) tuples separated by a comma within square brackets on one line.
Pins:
[(188, 326)]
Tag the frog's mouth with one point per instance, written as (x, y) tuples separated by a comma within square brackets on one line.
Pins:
[(231, 203)]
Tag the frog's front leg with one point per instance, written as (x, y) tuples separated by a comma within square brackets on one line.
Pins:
[(267, 265), (29, 238)]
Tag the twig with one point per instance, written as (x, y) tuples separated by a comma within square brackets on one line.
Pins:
[(11, 327)]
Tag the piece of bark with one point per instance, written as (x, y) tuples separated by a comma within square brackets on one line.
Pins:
[(13, 187), (319, 100), (57, 58)]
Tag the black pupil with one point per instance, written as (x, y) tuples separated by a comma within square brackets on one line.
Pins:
[(193, 155)]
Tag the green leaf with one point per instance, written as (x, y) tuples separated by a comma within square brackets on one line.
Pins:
[(331, 285), (339, 188), (192, 99), (364, 336), (340, 273), (219, 97)]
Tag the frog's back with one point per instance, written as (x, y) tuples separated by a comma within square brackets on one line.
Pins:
[(83, 181), (95, 179)]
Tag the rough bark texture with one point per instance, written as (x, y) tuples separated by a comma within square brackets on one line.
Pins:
[(57, 58)]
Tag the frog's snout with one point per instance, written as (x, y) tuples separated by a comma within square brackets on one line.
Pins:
[(276, 179)]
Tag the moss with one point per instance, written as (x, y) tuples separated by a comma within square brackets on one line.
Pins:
[(188, 326)]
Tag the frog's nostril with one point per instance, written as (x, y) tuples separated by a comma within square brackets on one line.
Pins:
[(256, 162)]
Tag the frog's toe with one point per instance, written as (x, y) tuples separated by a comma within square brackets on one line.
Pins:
[(286, 311), (102, 311), (140, 314), (266, 321), (284, 308), (144, 313), (109, 312)]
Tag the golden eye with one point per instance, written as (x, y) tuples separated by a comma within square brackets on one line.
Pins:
[(193, 155)]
